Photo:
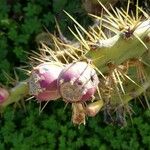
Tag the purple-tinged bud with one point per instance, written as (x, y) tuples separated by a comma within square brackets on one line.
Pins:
[(78, 82), (43, 81), (4, 94)]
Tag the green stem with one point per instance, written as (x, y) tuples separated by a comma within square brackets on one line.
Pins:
[(131, 95), (118, 49), (17, 93)]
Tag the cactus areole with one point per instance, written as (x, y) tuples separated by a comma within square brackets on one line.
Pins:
[(78, 82), (43, 81)]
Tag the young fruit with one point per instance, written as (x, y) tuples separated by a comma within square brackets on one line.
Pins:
[(43, 81), (3, 95), (93, 108), (78, 82)]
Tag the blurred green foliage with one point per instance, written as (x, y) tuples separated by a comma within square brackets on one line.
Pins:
[(20, 22), (27, 130)]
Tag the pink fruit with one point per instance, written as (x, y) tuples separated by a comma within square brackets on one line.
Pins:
[(43, 81), (4, 94), (78, 82)]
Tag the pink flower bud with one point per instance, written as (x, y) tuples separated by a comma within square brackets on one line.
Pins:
[(4, 94)]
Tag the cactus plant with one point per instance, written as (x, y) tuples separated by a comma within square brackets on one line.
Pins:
[(117, 49)]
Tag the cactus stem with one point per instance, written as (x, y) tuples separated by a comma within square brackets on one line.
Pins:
[(18, 92)]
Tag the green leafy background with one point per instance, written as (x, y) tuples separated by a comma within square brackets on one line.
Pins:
[(24, 129)]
